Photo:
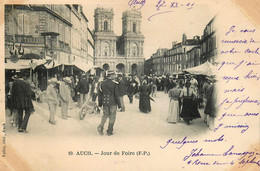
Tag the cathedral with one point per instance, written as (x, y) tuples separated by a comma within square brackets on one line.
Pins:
[(119, 53)]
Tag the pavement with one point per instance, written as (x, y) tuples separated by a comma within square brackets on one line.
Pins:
[(54, 141)]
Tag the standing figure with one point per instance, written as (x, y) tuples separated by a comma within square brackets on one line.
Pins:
[(65, 97), (189, 108), (174, 109), (21, 97), (95, 85), (121, 91), (211, 105), (166, 83), (14, 118), (131, 85), (144, 102), (52, 99), (110, 101), (154, 86), (83, 90)]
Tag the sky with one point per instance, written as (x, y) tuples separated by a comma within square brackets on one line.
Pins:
[(162, 29)]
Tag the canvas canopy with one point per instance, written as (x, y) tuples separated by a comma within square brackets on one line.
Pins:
[(83, 67), (24, 64), (203, 69)]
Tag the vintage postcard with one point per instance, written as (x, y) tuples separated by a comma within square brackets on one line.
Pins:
[(140, 85)]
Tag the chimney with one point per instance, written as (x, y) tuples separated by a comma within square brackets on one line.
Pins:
[(184, 38)]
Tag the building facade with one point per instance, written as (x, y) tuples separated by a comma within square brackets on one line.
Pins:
[(193, 57), (186, 54), (120, 53), (209, 43), (174, 60), (57, 31)]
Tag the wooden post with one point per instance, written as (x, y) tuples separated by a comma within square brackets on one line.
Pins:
[(30, 75), (47, 77)]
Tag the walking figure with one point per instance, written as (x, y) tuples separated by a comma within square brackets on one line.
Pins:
[(110, 101)]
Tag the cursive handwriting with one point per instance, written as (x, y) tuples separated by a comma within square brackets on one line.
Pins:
[(246, 157), (239, 41), (238, 100), (244, 127), (250, 51), (232, 115), (185, 141), (237, 65), (232, 51), (229, 78), (232, 29), (234, 90), (140, 3), (250, 75), (181, 143), (228, 115), (168, 6)]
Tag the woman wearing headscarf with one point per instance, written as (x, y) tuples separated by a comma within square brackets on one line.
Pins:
[(144, 102), (173, 112), (189, 108)]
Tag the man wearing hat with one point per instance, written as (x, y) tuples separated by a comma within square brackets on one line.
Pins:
[(65, 96), (110, 101), (21, 99), (52, 99)]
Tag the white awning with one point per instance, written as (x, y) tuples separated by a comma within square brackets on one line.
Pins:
[(81, 66), (24, 64)]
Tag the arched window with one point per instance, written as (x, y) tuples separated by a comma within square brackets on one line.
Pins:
[(105, 25), (134, 27), (106, 49), (134, 50)]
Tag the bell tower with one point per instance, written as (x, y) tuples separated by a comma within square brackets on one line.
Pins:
[(131, 32), (105, 39)]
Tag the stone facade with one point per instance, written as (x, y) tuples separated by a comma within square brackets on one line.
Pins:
[(209, 43), (26, 24), (119, 53)]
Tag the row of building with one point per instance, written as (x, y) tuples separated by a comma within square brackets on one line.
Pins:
[(186, 54), (62, 33), (57, 31)]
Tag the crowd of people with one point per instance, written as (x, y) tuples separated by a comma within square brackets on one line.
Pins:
[(186, 95)]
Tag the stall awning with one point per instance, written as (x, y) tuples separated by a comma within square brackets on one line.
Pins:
[(81, 66), (24, 64), (203, 69), (52, 64)]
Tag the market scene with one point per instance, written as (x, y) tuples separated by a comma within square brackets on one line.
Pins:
[(60, 74)]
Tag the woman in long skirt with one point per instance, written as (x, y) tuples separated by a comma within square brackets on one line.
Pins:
[(144, 102), (189, 108), (174, 110)]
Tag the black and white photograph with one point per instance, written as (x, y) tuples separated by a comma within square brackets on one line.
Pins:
[(130, 85)]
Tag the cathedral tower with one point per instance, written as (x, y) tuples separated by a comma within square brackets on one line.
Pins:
[(105, 39), (131, 32)]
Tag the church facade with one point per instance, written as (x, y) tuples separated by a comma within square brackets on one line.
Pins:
[(119, 53)]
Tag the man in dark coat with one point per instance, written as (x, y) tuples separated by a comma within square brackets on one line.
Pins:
[(121, 91), (110, 101), (166, 83), (132, 87), (22, 101), (83, 90)]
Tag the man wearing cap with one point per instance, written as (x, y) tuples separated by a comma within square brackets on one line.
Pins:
[(110, 101), (65, 96), (52, 99)]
